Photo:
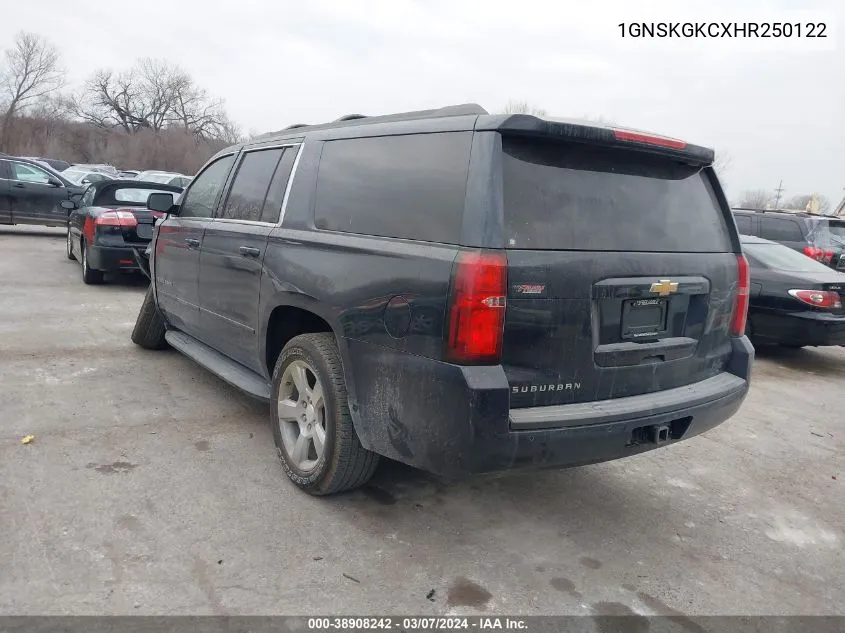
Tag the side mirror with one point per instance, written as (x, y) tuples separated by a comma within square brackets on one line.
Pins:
[(70, 205), (162, 202), (54, 182), (85, 181)]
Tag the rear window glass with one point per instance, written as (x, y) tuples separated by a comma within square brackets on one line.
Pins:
[(129, 195), (561, 196), (780, 257), (410, 186)]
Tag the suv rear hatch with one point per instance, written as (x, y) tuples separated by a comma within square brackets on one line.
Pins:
[(622, 275)]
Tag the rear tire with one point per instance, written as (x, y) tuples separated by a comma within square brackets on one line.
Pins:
[(338, 462), (70, 254), (89, 275), (149, 327)]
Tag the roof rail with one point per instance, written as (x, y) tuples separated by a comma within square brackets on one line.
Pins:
[(462, 109)]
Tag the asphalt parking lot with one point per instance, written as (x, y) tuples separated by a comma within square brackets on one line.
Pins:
[(152, 487)]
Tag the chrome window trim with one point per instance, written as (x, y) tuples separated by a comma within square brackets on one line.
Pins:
[(299, 145)]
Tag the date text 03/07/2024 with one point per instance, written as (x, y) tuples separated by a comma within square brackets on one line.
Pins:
[(417, 624)]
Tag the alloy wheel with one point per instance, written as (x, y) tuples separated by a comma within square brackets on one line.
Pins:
[(302, 415)]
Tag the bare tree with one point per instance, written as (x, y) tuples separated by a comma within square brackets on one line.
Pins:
[(31, 72), (153, 95), (803, 201), (523, 107), (755, 199)]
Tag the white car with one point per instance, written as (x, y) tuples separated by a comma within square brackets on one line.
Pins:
[(165, 178), (85, 176)]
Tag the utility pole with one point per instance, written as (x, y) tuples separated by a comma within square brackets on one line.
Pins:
[(779, 190)]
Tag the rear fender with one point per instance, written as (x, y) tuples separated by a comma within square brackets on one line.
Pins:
[(310, 304)]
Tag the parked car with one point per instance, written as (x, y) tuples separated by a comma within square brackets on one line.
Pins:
[(32, 193), (110, 224), (165, 177), (622, 239), (84, 177), (52, 163), (98, 167), (128, 174), (794, 301), (819, 237)]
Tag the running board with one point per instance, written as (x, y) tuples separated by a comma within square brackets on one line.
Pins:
[(224, 367)]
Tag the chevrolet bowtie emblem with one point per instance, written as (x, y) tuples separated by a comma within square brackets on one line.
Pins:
[(664, 287)]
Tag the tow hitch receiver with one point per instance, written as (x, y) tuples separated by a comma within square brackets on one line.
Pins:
[(660, 433)]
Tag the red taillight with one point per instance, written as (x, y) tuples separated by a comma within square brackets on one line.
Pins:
[(88, 230), (814, 253), (477, 314), (650, 139), (742, 290), (827, 256), (818, 298), (125, 219)]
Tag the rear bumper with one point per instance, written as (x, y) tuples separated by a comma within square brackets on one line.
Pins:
[(456, 421), (115, 259), (801, 328)]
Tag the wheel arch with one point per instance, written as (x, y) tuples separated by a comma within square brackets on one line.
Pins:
[(292, 315)]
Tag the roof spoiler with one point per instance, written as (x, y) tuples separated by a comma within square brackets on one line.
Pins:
[(585, 132)]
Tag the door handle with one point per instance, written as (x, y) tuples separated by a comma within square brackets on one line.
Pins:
[(192, 243), (19, 185), (249, 251)]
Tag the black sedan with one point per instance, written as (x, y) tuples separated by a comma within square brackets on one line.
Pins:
[(112, 226), (795, 300), (32, 193)]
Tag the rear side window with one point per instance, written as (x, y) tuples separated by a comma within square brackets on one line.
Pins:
[(780, 230), (276, 193), (560, 196), (743, 224), (246, 197), (410, 187)]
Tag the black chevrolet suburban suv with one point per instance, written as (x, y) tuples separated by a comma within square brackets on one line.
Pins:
[(459, 291)]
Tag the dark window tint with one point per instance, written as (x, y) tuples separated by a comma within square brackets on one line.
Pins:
[(397, 186), (560, 196), (743, 224), (276, 193), (780, 229), (246, 198), (201, 197)]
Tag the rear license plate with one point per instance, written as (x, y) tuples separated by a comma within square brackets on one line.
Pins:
[(643, 318), (144, 231)]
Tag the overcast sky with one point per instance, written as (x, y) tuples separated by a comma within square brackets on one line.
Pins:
[(776, 107)]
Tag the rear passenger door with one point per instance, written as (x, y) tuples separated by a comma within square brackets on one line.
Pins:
[(784, 230), (178, 244), (231, 262)]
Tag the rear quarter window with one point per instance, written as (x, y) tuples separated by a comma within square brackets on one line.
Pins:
[(781, 229), (410, 186), (567, 196)]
